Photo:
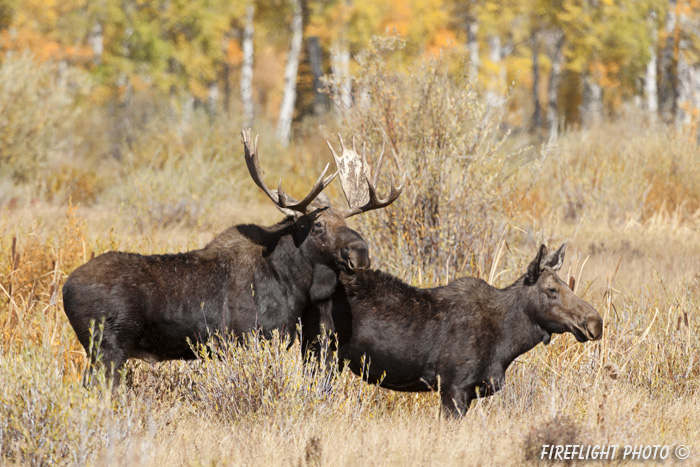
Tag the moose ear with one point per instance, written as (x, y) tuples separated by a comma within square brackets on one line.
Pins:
[(321, 201), (320, 204), (556, 259), (289, 212), (534, 268)]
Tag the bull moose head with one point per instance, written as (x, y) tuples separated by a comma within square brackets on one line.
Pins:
[(323, 235)]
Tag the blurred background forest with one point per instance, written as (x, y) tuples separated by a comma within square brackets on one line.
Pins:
[(562, 64), (568, 61)]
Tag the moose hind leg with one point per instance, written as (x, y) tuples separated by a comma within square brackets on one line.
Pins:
[(105, 354), (113, 364)]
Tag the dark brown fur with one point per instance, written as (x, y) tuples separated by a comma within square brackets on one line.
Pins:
[(462, 336), (249, 277)]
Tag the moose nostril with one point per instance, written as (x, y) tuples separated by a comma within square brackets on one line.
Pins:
[(595, 328), (357, 258), (363, 261)]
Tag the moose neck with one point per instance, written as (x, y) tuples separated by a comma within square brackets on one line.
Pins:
[(519, 331), (288, 258)]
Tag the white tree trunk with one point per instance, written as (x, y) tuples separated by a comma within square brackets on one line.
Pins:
[(592, 101), (667, 85), (473, 46), (495, 96), (537, 112), (340, 66), (213, 96), (651, 94), (284, 124), (96, 41), (688, 88), (316, 61), (247, 68), (553, 87)]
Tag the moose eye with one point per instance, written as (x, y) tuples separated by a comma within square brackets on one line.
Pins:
[(318, 225), (552, 292)]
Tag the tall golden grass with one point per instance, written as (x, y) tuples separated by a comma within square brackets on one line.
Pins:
[(625, 195)]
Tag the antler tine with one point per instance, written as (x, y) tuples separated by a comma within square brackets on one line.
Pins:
[(318, 187), (375, 179), (251, 161), (279, 197), (374, 201), (358, 183)]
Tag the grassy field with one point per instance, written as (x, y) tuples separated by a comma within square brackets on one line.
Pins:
[(626, 195)]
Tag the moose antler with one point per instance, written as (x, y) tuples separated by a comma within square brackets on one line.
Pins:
[(360, 191), (282, 200)]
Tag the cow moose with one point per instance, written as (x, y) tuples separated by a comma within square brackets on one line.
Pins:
[(249, 277), (459, 338)]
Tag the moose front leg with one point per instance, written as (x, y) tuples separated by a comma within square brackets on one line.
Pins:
[(492, 385), (456, 401), (326, 344), (318, 327)]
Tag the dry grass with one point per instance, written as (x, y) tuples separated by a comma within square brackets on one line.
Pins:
[(634, 251), (639, 385)]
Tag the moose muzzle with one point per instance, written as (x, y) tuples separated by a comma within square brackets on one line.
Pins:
[(356, 256)]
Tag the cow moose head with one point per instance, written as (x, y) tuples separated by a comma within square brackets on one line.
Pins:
[(557, 309)]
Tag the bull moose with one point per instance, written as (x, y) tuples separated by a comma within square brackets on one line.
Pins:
[(460, 337), (249, 277)]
